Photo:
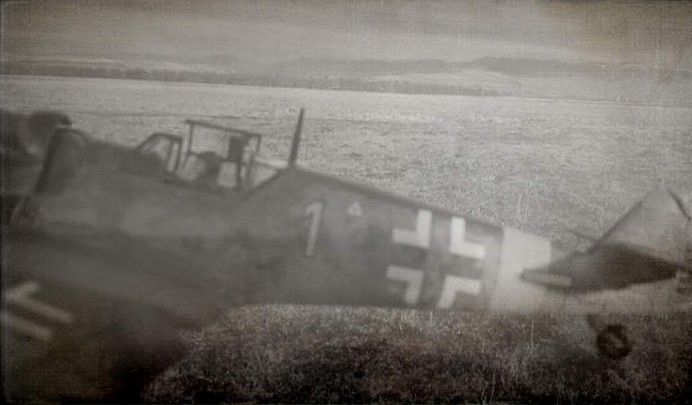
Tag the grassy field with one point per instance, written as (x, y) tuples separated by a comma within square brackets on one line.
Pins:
[(535, 164)]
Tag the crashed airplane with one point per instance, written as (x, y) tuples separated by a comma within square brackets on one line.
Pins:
[(109, 251)]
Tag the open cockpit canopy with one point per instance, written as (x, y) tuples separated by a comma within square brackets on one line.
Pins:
[(209, 155)]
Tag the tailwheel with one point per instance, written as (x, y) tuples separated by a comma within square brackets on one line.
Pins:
[(611, 338), (612, 342)]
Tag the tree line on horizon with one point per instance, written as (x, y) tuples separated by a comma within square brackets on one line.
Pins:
[(236, 78)]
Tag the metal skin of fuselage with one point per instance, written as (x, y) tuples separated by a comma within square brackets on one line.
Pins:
[(123, 260), (322, 240), (316, 238), (407, 252)]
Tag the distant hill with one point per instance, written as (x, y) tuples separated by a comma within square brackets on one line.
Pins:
[(486, 76), (503, 65), (635, 51)]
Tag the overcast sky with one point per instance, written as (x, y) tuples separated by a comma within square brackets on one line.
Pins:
[(252, 34)]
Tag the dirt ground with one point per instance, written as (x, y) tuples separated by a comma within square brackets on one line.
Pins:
[(535, 164)]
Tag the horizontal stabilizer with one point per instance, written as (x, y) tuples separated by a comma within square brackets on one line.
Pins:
[(648, 244), (583, 234)]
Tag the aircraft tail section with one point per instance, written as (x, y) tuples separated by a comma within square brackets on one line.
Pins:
[(648, 244), (656, 226)]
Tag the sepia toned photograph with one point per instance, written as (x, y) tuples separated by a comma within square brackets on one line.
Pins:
[(335, 201)]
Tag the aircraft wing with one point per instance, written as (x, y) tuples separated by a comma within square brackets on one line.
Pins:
[(584, 234), (93, 322)]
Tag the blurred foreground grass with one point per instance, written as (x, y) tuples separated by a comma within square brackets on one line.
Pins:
[(335, 354)]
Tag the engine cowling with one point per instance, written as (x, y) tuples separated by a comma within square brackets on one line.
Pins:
[(30, 134)]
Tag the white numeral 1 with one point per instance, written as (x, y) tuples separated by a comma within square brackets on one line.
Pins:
[(314, 211)]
